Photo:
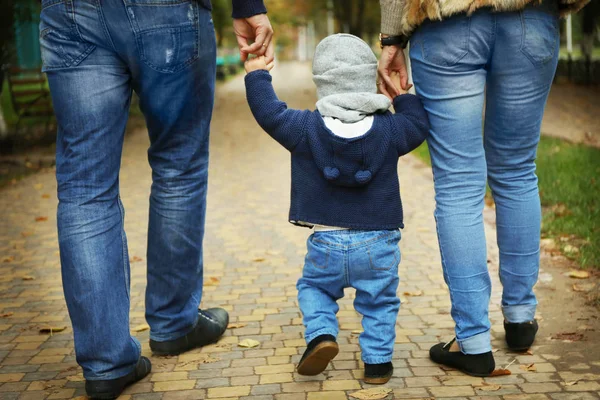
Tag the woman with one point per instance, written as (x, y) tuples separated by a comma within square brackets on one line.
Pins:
[(466, 54)]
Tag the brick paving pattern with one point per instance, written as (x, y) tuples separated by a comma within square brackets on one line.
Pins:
[(253, 258)]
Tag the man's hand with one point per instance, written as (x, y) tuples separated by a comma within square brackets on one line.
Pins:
[(255, 36), (392, 60), (254, 64)]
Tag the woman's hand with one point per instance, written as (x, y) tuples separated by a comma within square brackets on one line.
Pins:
[(393, 61)]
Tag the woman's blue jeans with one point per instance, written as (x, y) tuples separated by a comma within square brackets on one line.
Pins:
[(503, 63), (95, 53)]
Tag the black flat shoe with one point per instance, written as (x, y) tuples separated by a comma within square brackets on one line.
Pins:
[(111, 389), (471, 364), (378, 374), (520, 336), (211, 325), (319, 352)]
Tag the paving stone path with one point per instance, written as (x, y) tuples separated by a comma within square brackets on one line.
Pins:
[(253, 258)]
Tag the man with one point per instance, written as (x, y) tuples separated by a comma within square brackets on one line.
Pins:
[(95, 53)]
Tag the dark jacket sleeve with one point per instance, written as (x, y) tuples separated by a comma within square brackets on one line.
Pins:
[(411, 125), (283, 124), (247, 8)]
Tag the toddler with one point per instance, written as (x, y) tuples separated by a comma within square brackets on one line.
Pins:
[(345, 187)]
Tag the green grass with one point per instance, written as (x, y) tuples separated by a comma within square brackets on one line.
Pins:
[(577, 54), (569, 179)]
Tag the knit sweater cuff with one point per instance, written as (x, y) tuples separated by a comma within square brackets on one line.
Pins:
[(248, 8), (405, 102), (391, 17)]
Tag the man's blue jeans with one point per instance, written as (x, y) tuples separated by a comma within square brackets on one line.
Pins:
[(364, 260), (505, 62), (95, 53)]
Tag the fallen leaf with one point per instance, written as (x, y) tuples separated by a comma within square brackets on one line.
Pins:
[(486, 387), (236, 325), (259, 259), (571, 249), (583, 287), (530, 368), (140, 328), (529, 352), (579, 274), (571, 383), (7, 314), (495, 350), (570, 336), (357, 332), (212, 281), (41, 219), (135, 259), (8, 259), (548, 244), (38, 186), (52, 329), (500, 372), (249, 343), (28, 278), (45, 196), (371, 394), (414, 294), (26, 234)]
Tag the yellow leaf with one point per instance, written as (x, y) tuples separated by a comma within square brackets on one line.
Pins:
[(140, 328), (8, 259), (571, 383), (38, 186), (249, 343), (28, 278), (212, 281), (52, 329), (357, 332), (6, 315), (45, 196), (41, 219), (371, 394), (414, 294), (135, 259), (583, 287), (530, 367), (500, 372), (486, 387), (579, 274), (260, 259), (236, 325)]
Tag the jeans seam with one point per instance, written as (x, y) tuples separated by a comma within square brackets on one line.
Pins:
[(104, 26), (124, 243)]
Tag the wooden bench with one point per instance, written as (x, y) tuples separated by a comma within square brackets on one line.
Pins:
[(30, 95)]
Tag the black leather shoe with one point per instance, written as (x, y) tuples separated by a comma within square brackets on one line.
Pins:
[(211, 325), (111, 389), (319, 352), (378, 374), (520, 336), (471, 364)]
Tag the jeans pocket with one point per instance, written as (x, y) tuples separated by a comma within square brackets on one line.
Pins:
[(166, 32), (60, 41), (443, 43), (385, 255), (540, 36), (318, 254)]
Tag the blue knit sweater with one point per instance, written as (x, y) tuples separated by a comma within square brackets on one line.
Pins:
[(247, 8), (348, 183)]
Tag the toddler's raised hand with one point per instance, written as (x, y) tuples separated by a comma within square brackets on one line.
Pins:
[(258, 63)]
